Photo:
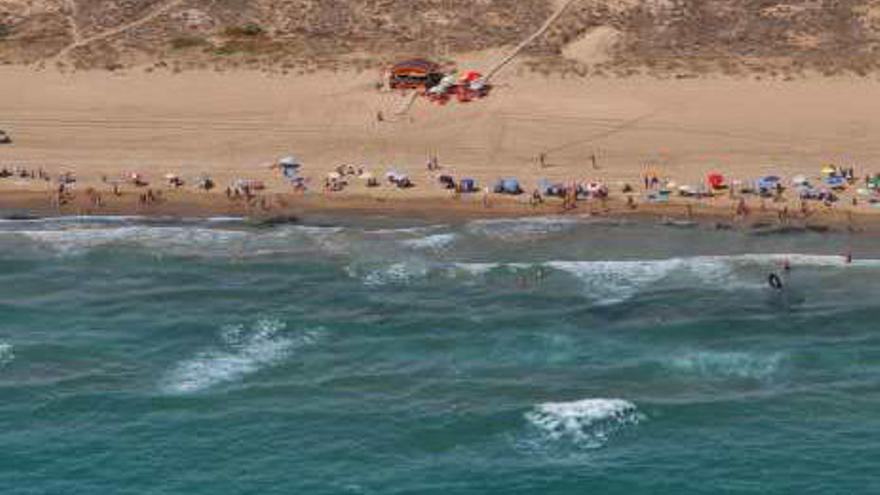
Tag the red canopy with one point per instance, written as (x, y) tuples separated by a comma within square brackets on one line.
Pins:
[(715, 180)]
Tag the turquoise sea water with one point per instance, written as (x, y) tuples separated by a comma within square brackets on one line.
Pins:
[(552, 356)]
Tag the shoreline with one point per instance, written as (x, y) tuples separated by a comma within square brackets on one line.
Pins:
[(277, 208)]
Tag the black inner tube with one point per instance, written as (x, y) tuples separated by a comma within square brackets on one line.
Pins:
[(774, 281)]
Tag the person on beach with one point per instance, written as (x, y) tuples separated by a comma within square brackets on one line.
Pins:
[(742, 210), (536, 198)]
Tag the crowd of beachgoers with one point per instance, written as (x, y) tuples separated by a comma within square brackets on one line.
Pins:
[(827, 188)]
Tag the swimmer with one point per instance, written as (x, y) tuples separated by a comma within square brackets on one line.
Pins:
[(774, 281)]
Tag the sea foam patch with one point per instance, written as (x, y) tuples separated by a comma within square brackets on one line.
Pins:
[(7, 354), (243, 351), (610, 282), (727, 364), (435, 241), (588, 423), (514, 229)]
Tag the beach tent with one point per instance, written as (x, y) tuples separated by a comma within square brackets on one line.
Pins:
[(467, 185), (414, 73), (548, 188), (508, 186), (715, 180), (447, 181), (835, 182), (767, 182), (687, 190)]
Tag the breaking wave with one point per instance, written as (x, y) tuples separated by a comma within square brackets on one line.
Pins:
[(512, 229), (436, 241), (243, 351), (588, 423)]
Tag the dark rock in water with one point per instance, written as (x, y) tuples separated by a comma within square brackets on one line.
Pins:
[(20, 216), (276, 220), (777, 230), (723, 226), (818, 228)]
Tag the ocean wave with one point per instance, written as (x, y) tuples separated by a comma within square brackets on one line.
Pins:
[(588, 423), (435, 242), (395, 273), (243, 351), (727, 364), (164, 239), (7, 354), (610, 282), (526, 228)]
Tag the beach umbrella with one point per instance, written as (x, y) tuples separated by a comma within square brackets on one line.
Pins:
[(471, 76), (366, 176), (334, 176), (799, 180), (288, 161), (829, 170), (715, 180)]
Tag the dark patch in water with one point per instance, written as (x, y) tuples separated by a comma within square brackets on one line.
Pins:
[(276, 221)]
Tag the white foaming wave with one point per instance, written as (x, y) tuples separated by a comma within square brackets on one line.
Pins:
[(7, 354), (436, 241), (476, 269), (588, 423), (406, 230), (243, 351), (801, 259), (328, 239), (525, 228), (396, 273), (611, 282), (74, 240), (728, 364)]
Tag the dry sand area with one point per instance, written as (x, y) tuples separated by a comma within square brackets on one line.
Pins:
[(232, 125)]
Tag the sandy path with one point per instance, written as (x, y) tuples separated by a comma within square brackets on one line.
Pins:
[(78, 41)]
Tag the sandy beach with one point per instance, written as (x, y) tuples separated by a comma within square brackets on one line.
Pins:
[(234, 125)]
